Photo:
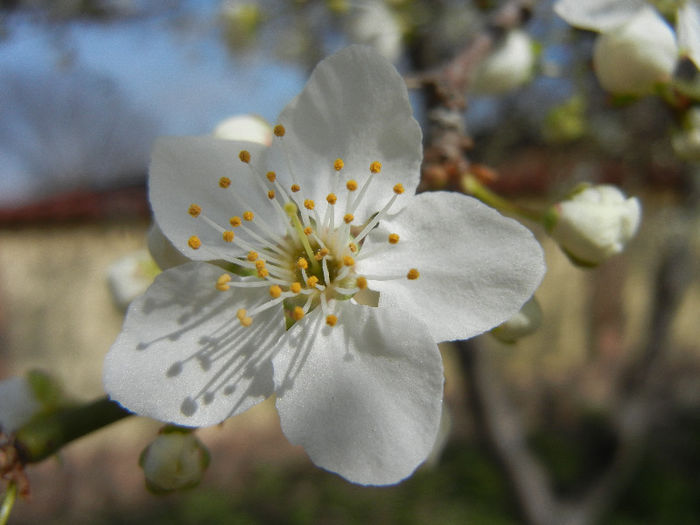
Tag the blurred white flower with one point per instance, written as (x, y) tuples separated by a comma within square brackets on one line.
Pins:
[(508, 67), (175, 460), (245, 127), (594, 224), (373, 24), (637, 49), (525, 322), (284, 241)]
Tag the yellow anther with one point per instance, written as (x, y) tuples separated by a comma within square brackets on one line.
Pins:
[(275, 291), (279, 130), (353, 247), (338, 164), (321, 254), (309, 204), (311, 281), (252, 256), (244, 155), (228, 236), (221, 282), (194, 242), (393, 238), (295, 188), (235, 221), (194, 210), (348, 218), (260, 264), (298, 313), (351, 185), (263, 272), (271, 176), (246, 321), (331, 320), (302, 263), (331, 198), (361, 282), (348, 261), (248, 216), (308, 230), (271, 194), (295, 287), (242, 313), (412, 274), (224, 182), (375, 167), (398, 189)]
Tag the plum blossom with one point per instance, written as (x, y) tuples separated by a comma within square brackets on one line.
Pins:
[(318, 276), (637, 48)]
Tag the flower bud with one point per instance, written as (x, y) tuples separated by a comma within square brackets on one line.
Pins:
[(129, 276), (508, 67), (525, 322), (250, 128), (175, 460), (595, 223), (635, 57), (373, 24)]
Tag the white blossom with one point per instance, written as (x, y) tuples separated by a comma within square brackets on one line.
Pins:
[(524, 323), (287, 244), (637, 49), (595, 223), (508, 67)]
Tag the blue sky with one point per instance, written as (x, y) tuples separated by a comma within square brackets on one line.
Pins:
[(54, 125)]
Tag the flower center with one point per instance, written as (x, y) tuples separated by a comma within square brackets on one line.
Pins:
[(313, 263)]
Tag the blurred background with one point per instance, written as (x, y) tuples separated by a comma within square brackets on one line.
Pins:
[(604, 397)]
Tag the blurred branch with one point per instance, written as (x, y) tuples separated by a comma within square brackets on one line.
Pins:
[(504, 433)]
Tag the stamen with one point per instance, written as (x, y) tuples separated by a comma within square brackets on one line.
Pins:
[(351, 185), (331, 198), (326, 274), (348, 261), (393, 238), (235, 221), (331, 320), (398, 189), (361, 282), (271, 176), (348, 218), (353, 247), (222, 282), (338, 164), (194, 242), (320, 254), (279, 130), (291, 210), (248, 216), (224, 182), (375, 167), (295, 188), (263, 272), (252, 256), (259, 264), (302, 263), (244, 155), (271, 194), (241, 313), (275, 291), (309, 204), (194, 210), (312, 281), (412, 274), (298, 313), (295, 287), (228, 236), (308, 230)]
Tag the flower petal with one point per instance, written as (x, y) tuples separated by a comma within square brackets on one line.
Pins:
[(18, 404), (182, 355), (354, 107), (598, 15), (186, 171), (688, 29), (362, 397), (477, 268)]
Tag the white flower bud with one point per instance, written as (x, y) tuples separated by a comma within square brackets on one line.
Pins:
[(374, 25), (508, 67), (245, 127), (525, 322), (637, 56), (175, 460), (594, 224), (129, 276)]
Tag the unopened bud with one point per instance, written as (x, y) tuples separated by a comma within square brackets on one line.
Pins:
[(595, 223), (175, 460), (508, 67), (525, 322)]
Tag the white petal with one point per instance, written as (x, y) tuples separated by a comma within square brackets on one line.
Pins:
[(363, 397), (18, 404), (182, 355), (477, 268), (597, 15), (688, 29), (355, 107), (185, 171)]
